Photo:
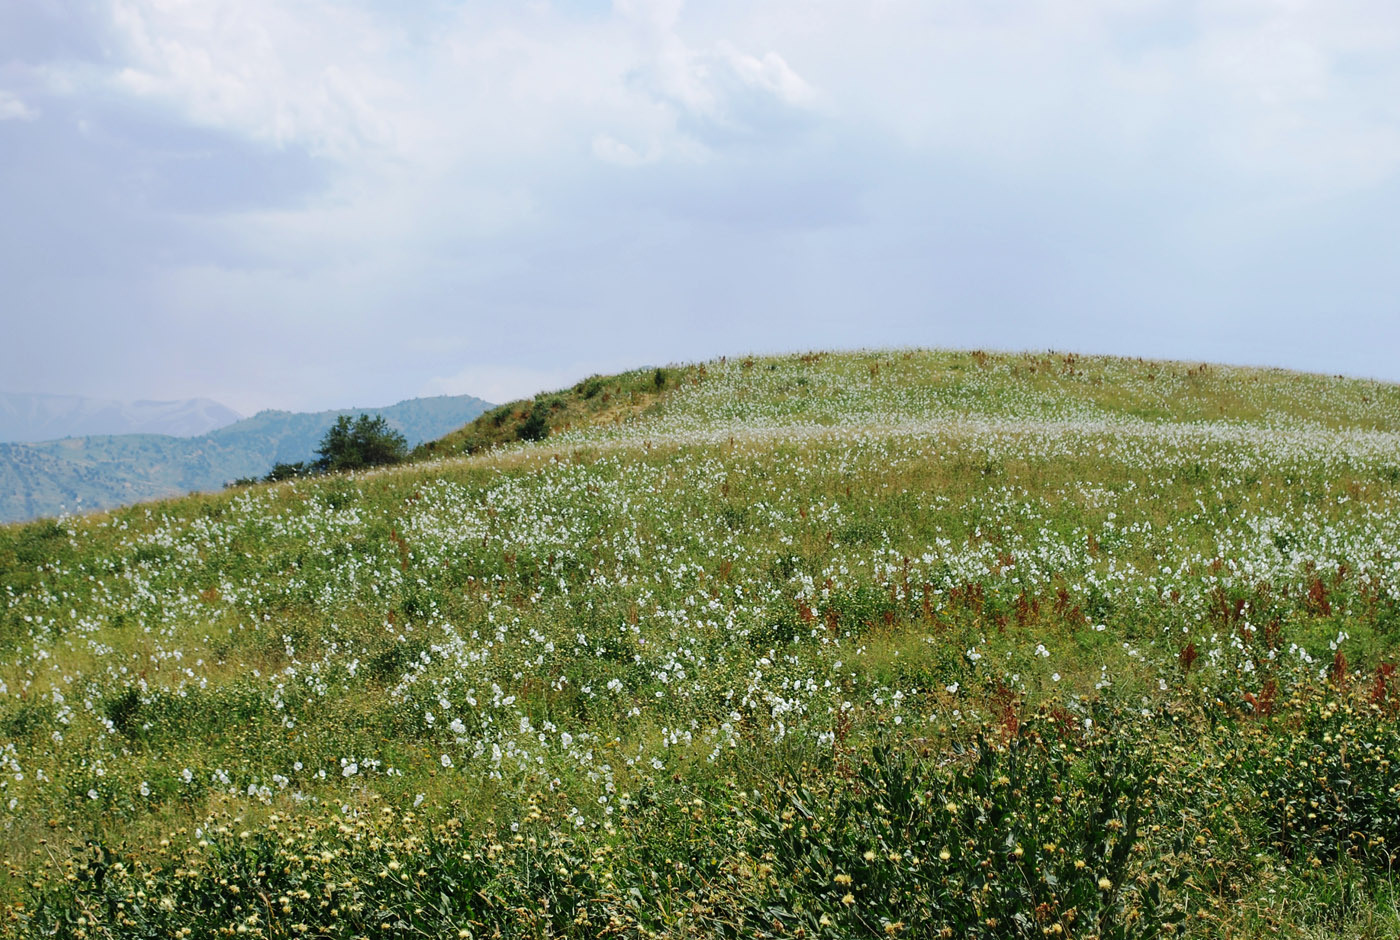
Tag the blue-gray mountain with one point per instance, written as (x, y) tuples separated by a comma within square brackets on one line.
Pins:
[(47, 417), (81, 474)]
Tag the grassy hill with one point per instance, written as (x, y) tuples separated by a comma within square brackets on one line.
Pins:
[(874, 644), (99, 472)]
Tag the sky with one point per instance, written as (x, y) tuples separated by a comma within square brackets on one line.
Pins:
[(309, 204)]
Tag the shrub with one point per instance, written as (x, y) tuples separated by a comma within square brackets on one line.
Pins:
[(287, 471), (536, 426), (1009, 841)]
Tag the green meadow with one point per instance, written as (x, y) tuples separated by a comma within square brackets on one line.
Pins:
[(888, 643)]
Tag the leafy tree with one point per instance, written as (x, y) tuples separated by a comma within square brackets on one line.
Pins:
[(362, 442)]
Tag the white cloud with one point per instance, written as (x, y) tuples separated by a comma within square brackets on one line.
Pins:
[(281, 74), (13, 108), (443, 133), (771, 73), (481, 85)]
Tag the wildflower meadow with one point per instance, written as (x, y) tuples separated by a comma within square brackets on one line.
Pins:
[(888, 643)]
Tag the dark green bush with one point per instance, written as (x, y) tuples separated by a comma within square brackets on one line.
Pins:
[(1331, 788), (287, 471), (536, 426), (363, 442), (1015, 838)]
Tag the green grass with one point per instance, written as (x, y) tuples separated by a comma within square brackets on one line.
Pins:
[(740, 652), (597, 400)]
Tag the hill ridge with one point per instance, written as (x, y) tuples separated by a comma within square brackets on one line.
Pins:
[(1160, 390)]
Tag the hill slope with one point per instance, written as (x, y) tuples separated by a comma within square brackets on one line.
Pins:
[(86, 473), (875, 644), (46, 417)]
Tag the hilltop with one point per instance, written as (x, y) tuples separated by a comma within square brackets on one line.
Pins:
[(887, 643), (102, 471)]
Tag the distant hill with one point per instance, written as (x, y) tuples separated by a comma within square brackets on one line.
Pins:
[(25, 417), (81, 474)]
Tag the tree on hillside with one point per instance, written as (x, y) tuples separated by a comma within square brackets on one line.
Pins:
[(363, 442)]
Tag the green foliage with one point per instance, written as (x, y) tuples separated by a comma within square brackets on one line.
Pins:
[(1023, 836), (288, 471), (360, 443), (595, 400), (349, 444), (536, 426), (1330, 789), (278, 473), (1033, 825)]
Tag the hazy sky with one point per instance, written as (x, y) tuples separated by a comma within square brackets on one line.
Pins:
[(319, 203)]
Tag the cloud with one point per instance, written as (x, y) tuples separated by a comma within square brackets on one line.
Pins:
[(1296, 91), (12, 108), (278, 74), (483, 85), (770, 73), (434, 134)]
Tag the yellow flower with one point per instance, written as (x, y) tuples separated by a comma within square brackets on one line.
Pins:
[(849, 899), (945, 854), (843, 879), (1105, 884), (870, 855)]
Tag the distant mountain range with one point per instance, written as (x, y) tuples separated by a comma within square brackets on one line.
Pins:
[(82, 474), (47, 417)]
